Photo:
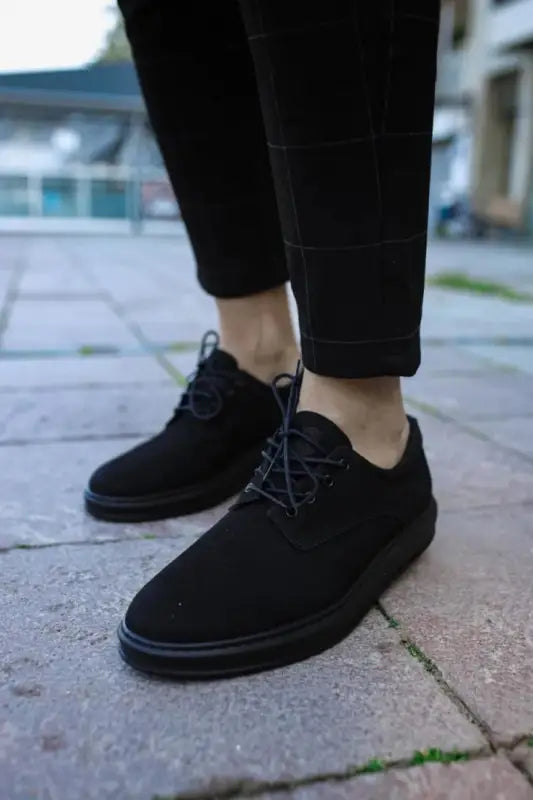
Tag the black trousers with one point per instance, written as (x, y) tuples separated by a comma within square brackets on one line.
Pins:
[(297, 136)]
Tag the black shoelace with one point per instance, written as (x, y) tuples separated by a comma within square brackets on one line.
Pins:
[(285, 466), (206, 387)]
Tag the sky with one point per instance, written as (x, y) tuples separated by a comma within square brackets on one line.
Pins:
[(52, 34)]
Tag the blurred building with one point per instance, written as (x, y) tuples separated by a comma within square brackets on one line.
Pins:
[(483, 132), (76, 153)]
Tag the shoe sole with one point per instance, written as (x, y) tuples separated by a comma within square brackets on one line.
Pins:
[(289, 643), (186, 500)]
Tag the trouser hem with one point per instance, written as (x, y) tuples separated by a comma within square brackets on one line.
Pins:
[(398, 357), (231, 283)]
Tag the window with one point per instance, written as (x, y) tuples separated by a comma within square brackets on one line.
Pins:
[(14, 196)]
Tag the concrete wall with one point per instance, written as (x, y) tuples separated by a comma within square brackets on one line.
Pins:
[(511, 25)]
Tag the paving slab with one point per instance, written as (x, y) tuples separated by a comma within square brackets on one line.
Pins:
[(85, 413), (468, 603), (79, 372), (79, 722), (41, 499), (185, 362), (163, 334), (514, 356), (5, 282), (11, 252), (131, 285), (515, 432), (450, 360), (522, 756), (484, 779), (455, 315), (467, 397), (488, 260), (470, 472), (51, 279), (57, 324)]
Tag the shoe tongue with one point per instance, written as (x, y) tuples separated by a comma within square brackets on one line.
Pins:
[(321, 430), (219, 359)]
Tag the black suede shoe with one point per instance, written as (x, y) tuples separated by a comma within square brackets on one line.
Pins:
[(310, 546), (206, 453)]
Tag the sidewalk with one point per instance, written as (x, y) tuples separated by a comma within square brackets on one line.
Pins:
[(441, 671)]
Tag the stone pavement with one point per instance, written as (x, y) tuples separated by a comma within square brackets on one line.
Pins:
[(94, 335)]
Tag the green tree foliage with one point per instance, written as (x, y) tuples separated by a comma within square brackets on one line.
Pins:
[(116, 47)]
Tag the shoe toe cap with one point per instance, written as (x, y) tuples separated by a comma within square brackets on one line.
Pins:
[(130, 474), (232, 582)]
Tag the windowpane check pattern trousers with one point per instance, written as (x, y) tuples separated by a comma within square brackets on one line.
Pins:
[(297, 136)]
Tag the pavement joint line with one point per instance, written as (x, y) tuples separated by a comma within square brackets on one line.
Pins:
[(476, 372), (520, 767), (468, 428), (103, 437), (247, 787), (11, 295), (434, 670), (87, 351), (89, 386), (521, 504), (485, 364), (95, 542), (136, 330), (59, 296), (493, 418), (516, 741), (500, 341)]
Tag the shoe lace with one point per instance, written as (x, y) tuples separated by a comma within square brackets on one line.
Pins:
[(206, 386), (282, 458)]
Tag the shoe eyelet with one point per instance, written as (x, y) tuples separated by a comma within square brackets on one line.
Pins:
[(312, 500), (328, 481), (344, 464), (290, 512)]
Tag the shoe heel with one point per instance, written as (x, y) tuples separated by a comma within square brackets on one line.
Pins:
[(410, 544)]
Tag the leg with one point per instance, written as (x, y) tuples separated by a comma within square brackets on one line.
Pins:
[(198, 81), (349, 135), (320, 531)]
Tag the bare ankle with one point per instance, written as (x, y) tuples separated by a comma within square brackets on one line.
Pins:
[(257, 330), (369, 410)]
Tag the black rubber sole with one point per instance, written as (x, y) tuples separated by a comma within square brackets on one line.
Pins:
[(186, 500), (290, 643)]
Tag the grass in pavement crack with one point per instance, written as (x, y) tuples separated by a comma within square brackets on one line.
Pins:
[(97, 350), (427, 408), (417, 653), (432, 668), (435, 754), (460, 282), (374, 765), (247, 788), (182, 347)]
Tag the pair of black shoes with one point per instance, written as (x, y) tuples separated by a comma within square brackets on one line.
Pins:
[(313, 540)]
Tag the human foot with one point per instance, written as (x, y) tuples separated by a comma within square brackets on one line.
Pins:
[(257, 330), (370, 411), (312, 543), (204, 455)]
